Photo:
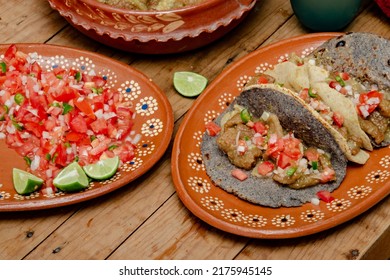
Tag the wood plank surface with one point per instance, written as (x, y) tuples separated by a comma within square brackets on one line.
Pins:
[(146, 219)]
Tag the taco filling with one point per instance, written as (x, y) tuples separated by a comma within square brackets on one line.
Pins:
[(268, 148), (263, 146)]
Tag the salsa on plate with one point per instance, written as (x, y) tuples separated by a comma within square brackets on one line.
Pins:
[(55, 117)]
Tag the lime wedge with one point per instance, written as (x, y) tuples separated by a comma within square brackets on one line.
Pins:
[(103, 169), (189, 84), (25, 182), (71, 179)]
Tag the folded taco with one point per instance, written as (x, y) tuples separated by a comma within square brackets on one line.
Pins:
[(364, 57), (271, 150), (365, 112)]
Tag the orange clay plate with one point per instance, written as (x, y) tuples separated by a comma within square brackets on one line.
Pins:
[(363, 187), (153, 121)]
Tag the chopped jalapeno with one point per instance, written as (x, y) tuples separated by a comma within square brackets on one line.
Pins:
[(312, 93), (66, 108), (19, 98), (27, 160), (314, 165), (340, 81), (78, 76), (97, 90), (5, 111), (112, 147), (245, 115), (3, 67), (291, 171), (48, 156), (54, 157), (17, 125)]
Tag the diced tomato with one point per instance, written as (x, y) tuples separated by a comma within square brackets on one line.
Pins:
[(344, 75), (85, 107), (312, 154), (325, 196), (284, 160), (338, 119), (78, 124), (99, 81), (212, 128), (125, 152), (99, 146), (368, 102), (239, 174), (66, 94), (260, 127), (275, 146), (334, 85), (35, 128), (99, 126), (265, 168), (75, 136), (292, 148), (304, 94), (327, 175), (36, 70), (60, 156), (262, 80), (25, 149), (10, 53)]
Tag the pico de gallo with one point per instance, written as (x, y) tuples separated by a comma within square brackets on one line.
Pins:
[(54, 117), (263, 146)]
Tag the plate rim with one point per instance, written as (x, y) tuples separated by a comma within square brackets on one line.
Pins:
[(70, 199), (223, 225)]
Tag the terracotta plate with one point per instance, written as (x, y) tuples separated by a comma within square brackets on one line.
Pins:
[(154, 121), (362, 188)]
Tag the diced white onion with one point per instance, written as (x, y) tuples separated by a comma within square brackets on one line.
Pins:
[(136, 139), (109, 115), (99, 114), (2, 136), (35, 163), (10, 129), (264, 116), (373, 101), (315, 201), (49, 173)]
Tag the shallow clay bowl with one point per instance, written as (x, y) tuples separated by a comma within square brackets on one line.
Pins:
[(154, 32)]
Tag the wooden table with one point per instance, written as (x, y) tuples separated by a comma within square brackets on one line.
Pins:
[(147, 220)]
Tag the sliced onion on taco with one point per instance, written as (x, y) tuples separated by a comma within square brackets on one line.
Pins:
[(271, 150)]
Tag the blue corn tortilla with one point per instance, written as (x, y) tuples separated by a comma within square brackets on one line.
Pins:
[(293, 117)]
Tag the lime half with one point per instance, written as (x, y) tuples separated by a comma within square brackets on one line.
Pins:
[(25, 182), (189, 84), (103, 169), (71, 179)]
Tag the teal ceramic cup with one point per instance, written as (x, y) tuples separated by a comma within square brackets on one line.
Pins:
[(325, 15)]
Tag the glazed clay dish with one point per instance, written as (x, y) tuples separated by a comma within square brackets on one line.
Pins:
[(362, 187), (153, 122), (154, 32)]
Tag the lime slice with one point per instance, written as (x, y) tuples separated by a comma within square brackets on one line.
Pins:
[(103, 169), (189, 84), (71, 179), (25, 182)]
